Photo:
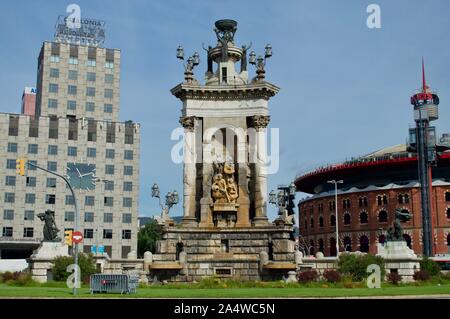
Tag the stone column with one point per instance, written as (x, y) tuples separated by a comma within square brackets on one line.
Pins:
[(206, 200), (259, 123), (189, 171)]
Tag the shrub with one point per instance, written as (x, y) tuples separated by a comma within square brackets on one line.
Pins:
[(332, 275), (22, 279), (356, 265), (394, 278), (308, 276), (86, 263), (430, 266), (422, 275), (10, 276)]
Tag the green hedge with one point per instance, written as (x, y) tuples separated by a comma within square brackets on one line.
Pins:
[(355, 265)]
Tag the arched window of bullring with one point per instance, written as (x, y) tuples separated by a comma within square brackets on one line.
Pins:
[(364, 244), (382, 216), (382, 200), (332, 246), (321, 245), (448, 213), (363, 202), (306, 224), (332, 220), (312, 222), (448, 241), (403, 199), (447, 196), (332, 205), (381, 239), (347, 219), (363, 217), (346, 203), (347, 243), (311, 247), (321, 221), (320, 207), (407, 239)]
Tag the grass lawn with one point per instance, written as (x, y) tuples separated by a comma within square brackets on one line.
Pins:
[(158, 292)]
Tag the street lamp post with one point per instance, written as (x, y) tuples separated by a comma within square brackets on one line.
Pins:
[(335, 182), (284, 199), (172, 199)]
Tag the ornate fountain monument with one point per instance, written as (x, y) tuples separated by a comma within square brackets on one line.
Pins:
[(225, 230)]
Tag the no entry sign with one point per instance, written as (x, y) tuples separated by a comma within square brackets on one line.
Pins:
[(77, 237)]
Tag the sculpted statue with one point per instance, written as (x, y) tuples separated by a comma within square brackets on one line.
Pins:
[(50, 229), (395, 233), (219, 189), (232, 190), (224, 188), (244, 57), (210, 61)]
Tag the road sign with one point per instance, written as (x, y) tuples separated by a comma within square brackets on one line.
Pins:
[(77, 237)]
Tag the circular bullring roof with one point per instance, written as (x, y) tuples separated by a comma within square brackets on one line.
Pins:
[(388, 165)]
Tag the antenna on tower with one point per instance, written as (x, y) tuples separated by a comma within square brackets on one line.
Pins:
[(424, 83)]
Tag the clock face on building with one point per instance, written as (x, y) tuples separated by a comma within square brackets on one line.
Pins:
[(81, 175)]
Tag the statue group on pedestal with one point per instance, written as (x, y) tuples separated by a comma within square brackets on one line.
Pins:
[(224, 188), (395, 233)]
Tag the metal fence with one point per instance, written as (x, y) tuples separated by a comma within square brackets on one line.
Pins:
[(103, 283)]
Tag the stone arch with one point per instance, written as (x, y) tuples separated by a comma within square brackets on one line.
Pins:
[(332, 245), (448, 212), (364, 243), (239, 137), (321, 245), (347, 242), (321, 221), (332, 220), (383, 216), (382, 199), (311, 247), (363, 217), (347, 218), (363, 201)]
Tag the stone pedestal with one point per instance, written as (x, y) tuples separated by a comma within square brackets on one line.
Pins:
[(398, 257), (41, 261)]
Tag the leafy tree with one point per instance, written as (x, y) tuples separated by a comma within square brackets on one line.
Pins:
[(85, 261), (147, 238)]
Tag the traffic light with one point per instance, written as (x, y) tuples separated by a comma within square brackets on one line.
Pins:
[(20, 166), (68, 237)]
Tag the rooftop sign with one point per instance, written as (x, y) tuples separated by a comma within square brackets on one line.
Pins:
[(80, 31)]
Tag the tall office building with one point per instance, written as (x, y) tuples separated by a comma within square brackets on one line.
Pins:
[(76, 120)]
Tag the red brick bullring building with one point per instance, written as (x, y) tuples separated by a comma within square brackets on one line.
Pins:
[(374, 187)]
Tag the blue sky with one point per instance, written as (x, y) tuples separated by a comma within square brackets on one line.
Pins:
[(344, 88)]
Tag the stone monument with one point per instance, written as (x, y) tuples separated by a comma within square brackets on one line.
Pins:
[(225, 229), (397, 255), (41, 261)]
